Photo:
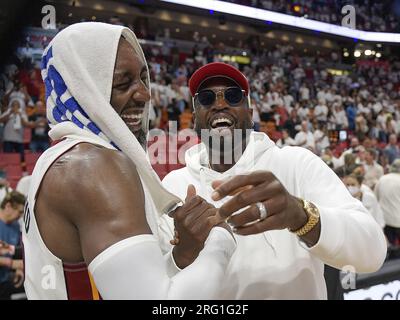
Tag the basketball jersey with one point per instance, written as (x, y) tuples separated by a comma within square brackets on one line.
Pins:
[(47, 276)]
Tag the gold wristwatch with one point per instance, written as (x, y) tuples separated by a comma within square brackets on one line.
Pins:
[(313, 218)]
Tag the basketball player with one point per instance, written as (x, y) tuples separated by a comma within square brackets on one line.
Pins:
[(90, 221)]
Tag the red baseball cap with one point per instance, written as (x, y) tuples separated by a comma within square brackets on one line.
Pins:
[(215, 69)]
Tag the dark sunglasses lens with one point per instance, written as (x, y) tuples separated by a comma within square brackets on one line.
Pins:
[(206, 97), (234, 96)]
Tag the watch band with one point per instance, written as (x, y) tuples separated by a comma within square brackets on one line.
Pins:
[(313, 218)]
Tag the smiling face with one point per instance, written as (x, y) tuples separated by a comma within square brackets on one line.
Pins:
[(130, 90), (220, 117)]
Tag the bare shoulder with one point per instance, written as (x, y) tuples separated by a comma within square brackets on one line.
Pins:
[(97, 196), (91, 174)]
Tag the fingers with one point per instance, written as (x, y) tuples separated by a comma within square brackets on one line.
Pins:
[(252, 214), (196, 214), (274, 222), (187, 206), (215, 184), (240, 181), (204, 226), (175, 240), (245, 198), (191, 192), (249, 215)]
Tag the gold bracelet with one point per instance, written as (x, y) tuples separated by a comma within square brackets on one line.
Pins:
[(313, 218)]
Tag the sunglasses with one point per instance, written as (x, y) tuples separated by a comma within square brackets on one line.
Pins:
[(207, 97)]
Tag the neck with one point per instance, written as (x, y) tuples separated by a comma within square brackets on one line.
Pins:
[(226, 160)]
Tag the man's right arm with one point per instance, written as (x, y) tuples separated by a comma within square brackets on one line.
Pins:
[(106, 206)]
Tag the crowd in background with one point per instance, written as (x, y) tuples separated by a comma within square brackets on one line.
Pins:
[(378, 16)]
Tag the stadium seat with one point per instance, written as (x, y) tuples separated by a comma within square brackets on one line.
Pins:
[(10, 159), (27, 136), (31, 158), (13, 172)]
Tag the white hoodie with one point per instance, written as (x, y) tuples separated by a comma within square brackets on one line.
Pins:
[(276, 264)]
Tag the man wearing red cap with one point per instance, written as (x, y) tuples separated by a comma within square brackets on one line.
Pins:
[(289, 211)]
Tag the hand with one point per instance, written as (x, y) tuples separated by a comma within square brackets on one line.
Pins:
[(193, 223), (17, 264), (6, 248), (283, 210), (18, 278)]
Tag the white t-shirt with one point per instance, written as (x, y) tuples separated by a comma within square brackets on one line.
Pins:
[(321, 112), (387, 191), (305, 140), (372, 174), (323, 143), (14, 129), (370, 202), (304, 93)]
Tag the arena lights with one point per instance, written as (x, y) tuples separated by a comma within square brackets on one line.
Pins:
[(378, 55), (346, 54), (296, 8), (367, 52), (357, 53), (265, 15)]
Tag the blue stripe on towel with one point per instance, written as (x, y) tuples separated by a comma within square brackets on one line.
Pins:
[(55, 83)]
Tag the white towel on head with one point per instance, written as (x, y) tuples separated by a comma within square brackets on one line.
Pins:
[(77, 69)]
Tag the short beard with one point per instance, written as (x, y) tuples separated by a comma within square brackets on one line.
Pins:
[(225, 149), (141, 137)]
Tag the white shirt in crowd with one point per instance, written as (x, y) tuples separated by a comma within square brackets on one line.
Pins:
[(340, 118), (304, 93), (321, 96), (321, 141), (387, 191), (381, 121), (14, 129), (286, 142), (321, 112), (288, 101), (305, 139), (303, 113), (276, 264), (372, 174), (371, 203)]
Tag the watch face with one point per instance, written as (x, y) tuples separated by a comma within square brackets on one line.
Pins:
[(313, 210)]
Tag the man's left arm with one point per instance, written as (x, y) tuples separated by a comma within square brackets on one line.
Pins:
[(345, 233), (349, 235)]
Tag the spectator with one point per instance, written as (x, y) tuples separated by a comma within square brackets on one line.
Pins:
[(286, 140), (392, 150), (363, 193), (11, 270), (40, 139), (305, 138), (387, 191), (15, 119), (373, 170)]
